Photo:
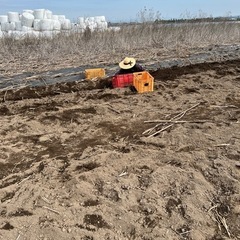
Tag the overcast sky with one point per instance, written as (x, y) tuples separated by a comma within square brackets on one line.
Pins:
[(126, 10)]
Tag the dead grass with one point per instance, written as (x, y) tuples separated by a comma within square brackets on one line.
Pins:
[(143, 41)]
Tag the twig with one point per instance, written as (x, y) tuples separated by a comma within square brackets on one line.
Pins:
[(163, 129), (222, 145), (111, 108), (222, 221), (175, 118), (227, 106), (17, 87), (185, 232), (211, 208), (180, 115), (123, 174), (5, 95), (45, 200), (42, 79), (114, 110), (170, 121), (50, 209), (25, 179), (18, 237)]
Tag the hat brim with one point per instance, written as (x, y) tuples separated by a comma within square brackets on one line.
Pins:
[(127, 66)]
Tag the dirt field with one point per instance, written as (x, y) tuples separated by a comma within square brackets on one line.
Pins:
[(84, 161)]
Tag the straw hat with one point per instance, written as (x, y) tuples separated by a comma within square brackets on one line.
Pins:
[(127, 63)]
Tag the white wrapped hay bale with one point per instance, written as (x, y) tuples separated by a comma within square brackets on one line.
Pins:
[(12, 26), (37, 24), (27, 19), (3, 18), (13, 16), (115, 29), (100, 19), (54, 17), (26, 29), (61, 18), (46, 25), (28, 11), (48, 14), (18, 26), (6, 26), (66, 24), (39, 13), (89, 21), (102, 25), (56, 25)]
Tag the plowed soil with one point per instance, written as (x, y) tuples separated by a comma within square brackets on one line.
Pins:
[(81, 160)]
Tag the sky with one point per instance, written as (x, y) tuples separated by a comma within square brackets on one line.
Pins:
[(126, 10)]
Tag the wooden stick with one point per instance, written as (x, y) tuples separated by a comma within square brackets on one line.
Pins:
[(172, 121), (222, 145), (18, 237), (177, 117), (227, 106), (50, 209), (180, 115), (163, 129)]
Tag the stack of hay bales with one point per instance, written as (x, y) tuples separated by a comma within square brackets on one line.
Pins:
[(38, 22), (93, 23), (42, 22)]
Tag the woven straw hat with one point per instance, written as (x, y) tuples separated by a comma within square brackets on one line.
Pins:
[(127, 63)]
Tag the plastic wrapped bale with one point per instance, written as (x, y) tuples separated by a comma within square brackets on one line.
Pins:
[(26, 29), (12, 26), (4, 26), (66, 25), (48, 14), (13, 16), (115, 29), (102, 25), (18, 26), (56, 25), (54, 17), (46, 25), (37, 24), (27, 19), (3, 18), (28, 11), (61, 18), (100, 19), (39, 13), (90, 19), (8, 26)]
